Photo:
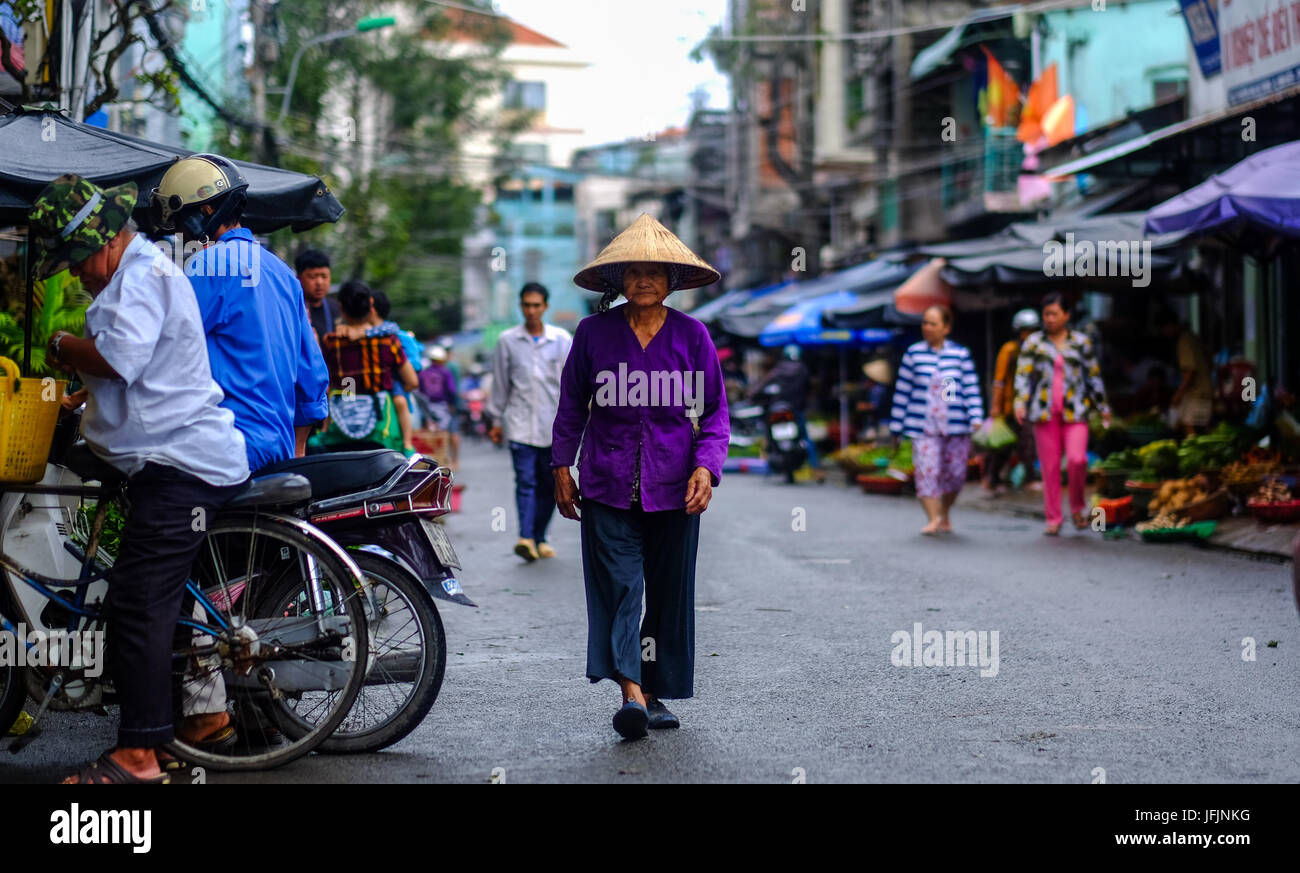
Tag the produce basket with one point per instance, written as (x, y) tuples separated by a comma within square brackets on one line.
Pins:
[(1143, 493), (873, 484), (1217, 505), (1275, 513), (29, 409), (1199, 531)]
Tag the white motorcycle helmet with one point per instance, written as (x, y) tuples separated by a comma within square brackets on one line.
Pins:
[(1025, 319)]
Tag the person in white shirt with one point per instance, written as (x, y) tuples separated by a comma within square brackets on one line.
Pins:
[(526, 368), (153, 413)]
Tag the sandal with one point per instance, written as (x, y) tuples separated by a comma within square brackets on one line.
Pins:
[(1080, 521), (1052, 530), (106, 771)]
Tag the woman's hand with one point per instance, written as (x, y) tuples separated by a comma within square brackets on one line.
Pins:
[(1105, 420), (1020, 415), (699, 491), (566, 494)]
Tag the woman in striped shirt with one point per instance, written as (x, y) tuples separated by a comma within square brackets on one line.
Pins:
[(937, 404)]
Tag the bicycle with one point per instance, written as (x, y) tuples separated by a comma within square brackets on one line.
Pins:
[(289, 677)]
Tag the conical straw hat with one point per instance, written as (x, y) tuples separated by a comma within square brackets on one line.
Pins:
[(645, 240)]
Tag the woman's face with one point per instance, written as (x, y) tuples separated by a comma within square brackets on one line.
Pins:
[(1054, 318), (645, 283), (933, 328)]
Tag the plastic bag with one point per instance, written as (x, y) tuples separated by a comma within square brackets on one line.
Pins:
[(993, 434)]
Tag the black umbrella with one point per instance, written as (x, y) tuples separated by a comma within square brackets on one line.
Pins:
[(39, 145)]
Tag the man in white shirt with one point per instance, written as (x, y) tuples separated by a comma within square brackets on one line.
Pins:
[(153, 413), (526, 368)]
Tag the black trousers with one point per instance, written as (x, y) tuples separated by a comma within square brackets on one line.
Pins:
[(626, 552), (146, 589)]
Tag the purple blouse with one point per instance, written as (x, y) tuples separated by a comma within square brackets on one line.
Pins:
[(650, 397)]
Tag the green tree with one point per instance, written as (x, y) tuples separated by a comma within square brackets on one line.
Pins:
[(406, 217)]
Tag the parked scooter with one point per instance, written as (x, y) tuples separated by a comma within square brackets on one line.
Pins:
[(786, 450), (383, 508)]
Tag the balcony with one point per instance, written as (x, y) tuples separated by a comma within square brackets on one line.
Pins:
[(985, 181)]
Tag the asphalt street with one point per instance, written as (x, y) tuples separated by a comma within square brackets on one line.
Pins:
[(1117, 661)]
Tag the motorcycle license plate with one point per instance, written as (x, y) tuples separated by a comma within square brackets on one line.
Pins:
[(785, 430), (441, 545)]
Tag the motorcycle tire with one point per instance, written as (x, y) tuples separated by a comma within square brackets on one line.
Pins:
[(430, 665)]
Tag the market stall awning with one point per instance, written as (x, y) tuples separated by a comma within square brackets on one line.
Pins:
[(1214, 138), (750, 319), (1262, 191), (802, 325), (1082, 265), (40, 145), (711, 310)]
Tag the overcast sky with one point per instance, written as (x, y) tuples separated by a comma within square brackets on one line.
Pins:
[(641, 76)]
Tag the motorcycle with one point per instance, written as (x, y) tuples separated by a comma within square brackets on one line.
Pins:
[(786, 450), (385, 510), (289, 676), (382, 511)]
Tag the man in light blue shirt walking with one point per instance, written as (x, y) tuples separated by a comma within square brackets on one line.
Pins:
[(526, 368)]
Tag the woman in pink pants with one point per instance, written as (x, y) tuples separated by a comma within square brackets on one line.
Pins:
[(1058, 381)]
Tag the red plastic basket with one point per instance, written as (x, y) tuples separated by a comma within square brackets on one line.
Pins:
[(880, 484), (1275, 513)]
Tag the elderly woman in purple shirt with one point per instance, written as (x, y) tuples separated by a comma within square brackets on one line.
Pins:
[(642, 392)]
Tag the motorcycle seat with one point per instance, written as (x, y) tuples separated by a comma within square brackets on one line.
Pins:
[(335, 473), (272, 490)]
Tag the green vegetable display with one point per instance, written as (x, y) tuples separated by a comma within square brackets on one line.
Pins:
[(1125, 459), (903, 459), (1160, 457)]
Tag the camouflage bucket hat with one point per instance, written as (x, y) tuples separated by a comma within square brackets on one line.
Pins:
[(73, 218)]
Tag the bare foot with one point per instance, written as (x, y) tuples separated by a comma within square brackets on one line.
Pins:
[(930, 529), (945, 526)]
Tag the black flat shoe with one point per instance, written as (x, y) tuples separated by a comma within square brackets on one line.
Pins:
[(631, 721), (660, 717)]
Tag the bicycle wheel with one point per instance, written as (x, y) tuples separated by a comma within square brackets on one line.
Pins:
[(285, 680), (408, 656)]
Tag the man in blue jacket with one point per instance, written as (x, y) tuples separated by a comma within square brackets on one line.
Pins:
[(261, 344)]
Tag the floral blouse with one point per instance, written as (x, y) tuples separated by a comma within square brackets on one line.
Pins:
[(1083, 386)]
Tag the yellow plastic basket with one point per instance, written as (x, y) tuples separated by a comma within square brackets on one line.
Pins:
[(29, 409)]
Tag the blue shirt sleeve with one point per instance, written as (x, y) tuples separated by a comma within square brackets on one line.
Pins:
[(313, 380), (210, 298)]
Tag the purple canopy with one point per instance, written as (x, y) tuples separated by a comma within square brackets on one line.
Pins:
[(1262, 191)]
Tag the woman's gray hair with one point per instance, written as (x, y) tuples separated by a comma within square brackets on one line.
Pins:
[(612, 293)]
